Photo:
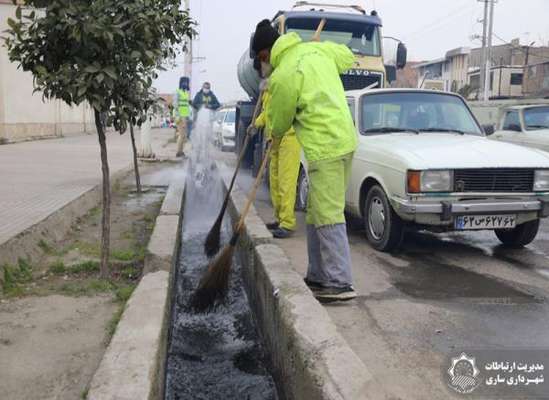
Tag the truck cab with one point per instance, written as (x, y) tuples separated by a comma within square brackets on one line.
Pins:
[(349, 25), (377, 58)]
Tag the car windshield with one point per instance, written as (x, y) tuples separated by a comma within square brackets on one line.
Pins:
[(362, 38), (536, 118), (231, 115), (384, 113)]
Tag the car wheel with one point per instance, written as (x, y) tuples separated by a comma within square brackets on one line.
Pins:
[(302, 190), (384, 228), (519, 236)]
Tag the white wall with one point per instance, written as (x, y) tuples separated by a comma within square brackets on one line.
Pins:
[(23, 115)]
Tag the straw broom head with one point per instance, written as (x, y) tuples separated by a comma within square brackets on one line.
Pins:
[(213, 240), (213, 286)]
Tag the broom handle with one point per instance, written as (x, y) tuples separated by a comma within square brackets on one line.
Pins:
[(245, 144), (257, 108), (321, 25), (251, 196)]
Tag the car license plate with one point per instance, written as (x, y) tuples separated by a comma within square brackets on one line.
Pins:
[(472, 222)]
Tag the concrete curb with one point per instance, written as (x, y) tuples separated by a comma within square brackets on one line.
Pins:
[(133, 366), (56, 225), (308, 355), (129, 367)]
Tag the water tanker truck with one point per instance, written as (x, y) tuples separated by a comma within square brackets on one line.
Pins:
[(377, 58)]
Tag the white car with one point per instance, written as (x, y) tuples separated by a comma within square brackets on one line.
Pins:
[(526, 125), (423, 162), (224, 128)]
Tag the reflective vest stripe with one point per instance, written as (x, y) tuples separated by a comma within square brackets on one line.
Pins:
[(183, 103)]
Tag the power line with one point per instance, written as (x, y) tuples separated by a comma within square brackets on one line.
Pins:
[(452, 14), (520, 48)]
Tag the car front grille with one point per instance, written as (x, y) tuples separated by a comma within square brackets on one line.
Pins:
[(518, 180), (358, 82)]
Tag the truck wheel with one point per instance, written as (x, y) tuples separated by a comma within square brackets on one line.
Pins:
[(302, 190), (520, 236), (384, 228)]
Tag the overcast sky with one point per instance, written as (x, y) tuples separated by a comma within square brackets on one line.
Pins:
[(428, 27)]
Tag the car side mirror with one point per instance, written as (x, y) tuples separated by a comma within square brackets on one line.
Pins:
[(402, 55), (514, 127), (488, 129)]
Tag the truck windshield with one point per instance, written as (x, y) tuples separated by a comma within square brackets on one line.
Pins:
[(383, 113), (362, 38), (536, 118)]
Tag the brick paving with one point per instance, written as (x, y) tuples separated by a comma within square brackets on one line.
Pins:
[(37, 178)]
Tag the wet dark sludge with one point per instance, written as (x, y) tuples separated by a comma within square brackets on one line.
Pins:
[(216, 355)]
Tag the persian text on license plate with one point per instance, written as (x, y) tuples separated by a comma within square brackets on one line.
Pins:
[(471, 222)]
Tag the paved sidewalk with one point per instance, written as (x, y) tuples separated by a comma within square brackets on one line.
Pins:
[(37, 178)]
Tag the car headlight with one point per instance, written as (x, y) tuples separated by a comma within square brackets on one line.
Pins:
[(430, 181), (541, 180)]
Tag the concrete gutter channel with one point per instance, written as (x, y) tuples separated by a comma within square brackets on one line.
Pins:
[(133, 365), (308, 358)]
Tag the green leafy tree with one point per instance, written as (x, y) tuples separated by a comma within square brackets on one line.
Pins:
[(79, 50)]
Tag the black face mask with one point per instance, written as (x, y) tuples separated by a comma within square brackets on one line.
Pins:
[(257, 65)]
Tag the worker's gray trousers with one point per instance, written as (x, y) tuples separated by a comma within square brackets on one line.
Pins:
[(329, 255)]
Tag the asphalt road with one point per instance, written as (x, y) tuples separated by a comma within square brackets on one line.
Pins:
[(438, 294)]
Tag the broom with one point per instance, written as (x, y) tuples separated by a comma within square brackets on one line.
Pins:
[(214, 284), (211, 245)]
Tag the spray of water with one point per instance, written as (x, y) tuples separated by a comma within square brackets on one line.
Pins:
[(204, 193)]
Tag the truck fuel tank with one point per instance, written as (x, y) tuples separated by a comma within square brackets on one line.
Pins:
[(247, 76)]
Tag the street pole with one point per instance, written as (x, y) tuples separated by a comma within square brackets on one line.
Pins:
[(483, 57), (489, 52), (500, 73)]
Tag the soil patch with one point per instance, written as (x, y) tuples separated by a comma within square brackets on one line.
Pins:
[(56, 315)]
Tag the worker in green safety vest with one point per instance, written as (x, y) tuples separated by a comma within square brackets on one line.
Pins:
[(182, 114)]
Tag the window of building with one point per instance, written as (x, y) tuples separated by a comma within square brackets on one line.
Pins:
[(491, 80), (474, 81), (516, 79)]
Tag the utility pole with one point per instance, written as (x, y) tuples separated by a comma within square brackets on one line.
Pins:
[(483, 56), (189, 51), (488, 53)]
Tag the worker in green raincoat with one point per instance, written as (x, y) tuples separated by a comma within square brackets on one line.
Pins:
[(182, 111), (307, 93)]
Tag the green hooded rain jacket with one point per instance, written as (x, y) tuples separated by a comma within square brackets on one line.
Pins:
[(307, 92)]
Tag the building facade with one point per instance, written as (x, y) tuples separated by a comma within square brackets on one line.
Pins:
[(448, 73), (516, 71), (24, 115)]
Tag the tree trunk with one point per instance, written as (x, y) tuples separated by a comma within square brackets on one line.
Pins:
[(135, 163), (106, 216)]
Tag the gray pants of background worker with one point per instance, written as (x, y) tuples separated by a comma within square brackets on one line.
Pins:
[(181, 134), (327, 242)]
